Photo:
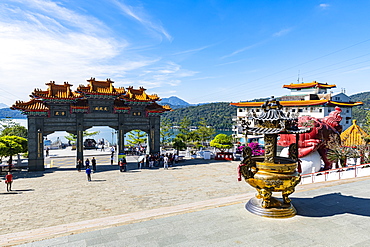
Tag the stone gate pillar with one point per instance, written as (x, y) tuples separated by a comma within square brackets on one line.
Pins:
[(154, 134), (79, 141), (35, 144), (121, 134)]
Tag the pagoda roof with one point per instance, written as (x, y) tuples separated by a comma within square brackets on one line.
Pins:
[(138, 95), (32, 105), (273, 120), (56, 91), (100, 87), (313, 84), (353, 136), (299, 103)]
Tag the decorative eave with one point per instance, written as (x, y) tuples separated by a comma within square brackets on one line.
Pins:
[(353, 136), (298, 103), (34, 107), (156, 109), (351, 104), (57, 93), (313, 84), (139, 95), (100, 89)]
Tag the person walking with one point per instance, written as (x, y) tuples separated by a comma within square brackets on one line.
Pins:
[(111, 160), (79, 165), (93, 163), (9, 181), (165, 162), (88, 173)]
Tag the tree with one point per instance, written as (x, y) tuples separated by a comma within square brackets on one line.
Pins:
[(73, 138), (166, 132), (178, 144), (222, 142), (136, 137), (10, 128), (337, 152), (16, 130), (204, 132), (185, 126), (12, 145)]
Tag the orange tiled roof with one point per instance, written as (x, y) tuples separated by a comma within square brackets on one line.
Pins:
[(353, 136), (32, 105), (309, 85), (298, 103), (139, 95), (56, 91), (100, 87)]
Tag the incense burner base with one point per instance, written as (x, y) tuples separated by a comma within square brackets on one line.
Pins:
[(280, 209)]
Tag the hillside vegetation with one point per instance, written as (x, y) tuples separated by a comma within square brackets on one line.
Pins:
[(359, 112), (217, 115)]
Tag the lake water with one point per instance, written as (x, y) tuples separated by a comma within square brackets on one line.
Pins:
[(105, 132)]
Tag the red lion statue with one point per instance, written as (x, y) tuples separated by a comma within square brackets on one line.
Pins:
[(316, 140)]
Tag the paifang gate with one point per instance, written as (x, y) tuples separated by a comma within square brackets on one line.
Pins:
[(98, 104)]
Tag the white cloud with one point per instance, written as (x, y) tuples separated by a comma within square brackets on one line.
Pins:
[(139, 15), (282, 32), (168, 74), (191, 50), (42, 41), (324, 5)]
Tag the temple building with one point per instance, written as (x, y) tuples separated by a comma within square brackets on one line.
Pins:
[(99, 103), (305, 99), (353, 136)]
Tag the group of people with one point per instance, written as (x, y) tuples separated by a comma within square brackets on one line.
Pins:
[(158, 160), (88, 170), (8, 181)]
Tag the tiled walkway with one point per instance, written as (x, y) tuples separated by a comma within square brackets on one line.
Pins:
[(198, 203)]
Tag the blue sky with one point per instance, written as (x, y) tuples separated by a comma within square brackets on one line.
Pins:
[(200, 51)]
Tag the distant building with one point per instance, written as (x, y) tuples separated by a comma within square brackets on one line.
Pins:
[(305, 99)]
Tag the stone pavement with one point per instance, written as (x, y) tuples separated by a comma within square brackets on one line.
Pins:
[(198, 203)]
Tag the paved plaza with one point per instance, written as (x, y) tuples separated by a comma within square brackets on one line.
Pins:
[(196, 203)]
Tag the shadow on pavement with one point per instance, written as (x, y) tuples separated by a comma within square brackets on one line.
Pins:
[(331, 204)]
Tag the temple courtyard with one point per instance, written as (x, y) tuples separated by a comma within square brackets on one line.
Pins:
[(195, 203)]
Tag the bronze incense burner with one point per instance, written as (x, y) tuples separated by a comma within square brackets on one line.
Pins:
[(271, 173)]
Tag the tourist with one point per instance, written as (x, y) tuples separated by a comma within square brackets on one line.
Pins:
[(147, 160), (79, 165), (47, 152), (165, 162), (122, 164), (112, 150), (141, 163), (176, 159), (93, 163), (151, 161), (88, 173), (87, 162), (9, 181), (111, 160)]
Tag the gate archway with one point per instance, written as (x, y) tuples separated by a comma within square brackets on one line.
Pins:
[(98, 104)]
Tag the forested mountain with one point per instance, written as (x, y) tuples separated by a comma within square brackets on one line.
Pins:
[(8, 113), (217, 115), (174, 101), (359, 112)]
